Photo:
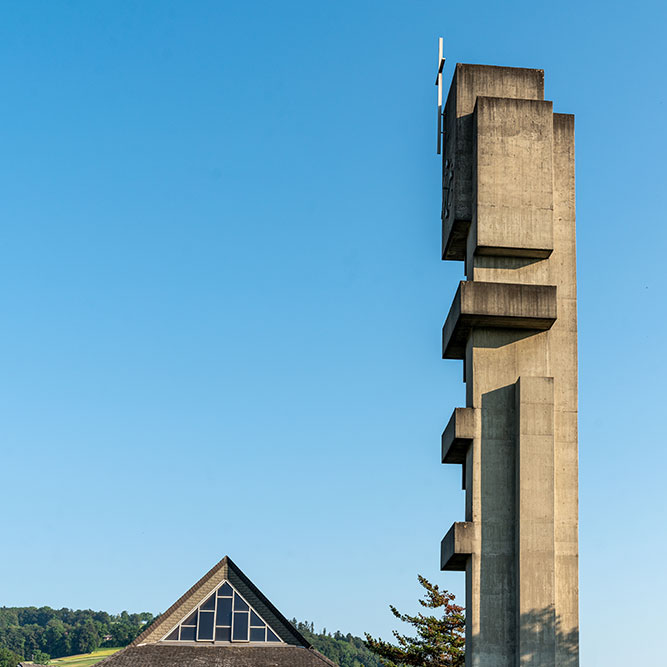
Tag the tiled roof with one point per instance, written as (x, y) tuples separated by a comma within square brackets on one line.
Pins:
[(169, 655)]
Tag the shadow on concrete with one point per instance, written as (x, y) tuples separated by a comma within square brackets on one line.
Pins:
[(497, 611), (538, 634), (505, 262), (539, 628), (494, 338), (544, 643)]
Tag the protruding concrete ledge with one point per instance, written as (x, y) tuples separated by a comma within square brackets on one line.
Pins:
[(458, 435), (454, 237), (457, 546), (501, 305)]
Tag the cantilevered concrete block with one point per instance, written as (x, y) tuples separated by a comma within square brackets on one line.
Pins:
[(498, 305), (457, 439), (458, 435), (458, 545), (470, 82), (512, 178)]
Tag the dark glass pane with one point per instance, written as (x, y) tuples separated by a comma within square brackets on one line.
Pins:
[(223, 634), (257, 635), (205, 625), (172, 636), (210, 603), (224, 611), (225, 589), (255, 620), (239, 604), (240, 627), (191, 619), (271, 636), (187, 634)]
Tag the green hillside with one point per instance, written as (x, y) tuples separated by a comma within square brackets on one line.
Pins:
[(86, 659)]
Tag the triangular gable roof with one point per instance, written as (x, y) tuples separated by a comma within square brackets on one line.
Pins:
[(225, 570)]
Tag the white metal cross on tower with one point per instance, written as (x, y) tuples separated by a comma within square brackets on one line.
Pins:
[(438, 82)]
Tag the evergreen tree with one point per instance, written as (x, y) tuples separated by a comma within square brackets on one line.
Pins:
[(439, 641)]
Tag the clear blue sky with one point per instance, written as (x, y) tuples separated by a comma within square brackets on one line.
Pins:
[(221, 300)]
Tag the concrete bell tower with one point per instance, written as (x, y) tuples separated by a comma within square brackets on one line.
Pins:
[(508, 214)]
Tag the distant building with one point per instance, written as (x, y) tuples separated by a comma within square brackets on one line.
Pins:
[(224, 619)]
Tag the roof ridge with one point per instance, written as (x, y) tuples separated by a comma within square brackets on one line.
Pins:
[(216, 568), (267, 602)]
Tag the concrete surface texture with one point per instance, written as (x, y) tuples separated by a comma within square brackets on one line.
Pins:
[(509, 213)]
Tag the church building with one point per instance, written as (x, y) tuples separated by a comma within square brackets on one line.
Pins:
[(224, 620)]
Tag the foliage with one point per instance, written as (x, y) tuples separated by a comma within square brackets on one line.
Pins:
[(439, 641), (8, 658), (26, 631), (344, 650), (40, 658), (63, 632)]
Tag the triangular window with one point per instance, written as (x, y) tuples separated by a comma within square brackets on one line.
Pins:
[(224, 616)]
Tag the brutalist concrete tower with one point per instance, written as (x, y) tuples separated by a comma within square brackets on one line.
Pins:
[(508, 214)]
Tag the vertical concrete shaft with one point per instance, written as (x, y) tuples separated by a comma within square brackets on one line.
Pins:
[(535, 554), (508, 214)]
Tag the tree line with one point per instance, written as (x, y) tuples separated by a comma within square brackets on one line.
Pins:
[(40, 633), (345, 650), (27, 631)]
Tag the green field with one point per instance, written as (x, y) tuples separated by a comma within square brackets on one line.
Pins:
[(85, 659)]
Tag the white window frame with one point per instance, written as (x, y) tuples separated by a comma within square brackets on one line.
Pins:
[(214, 611)]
